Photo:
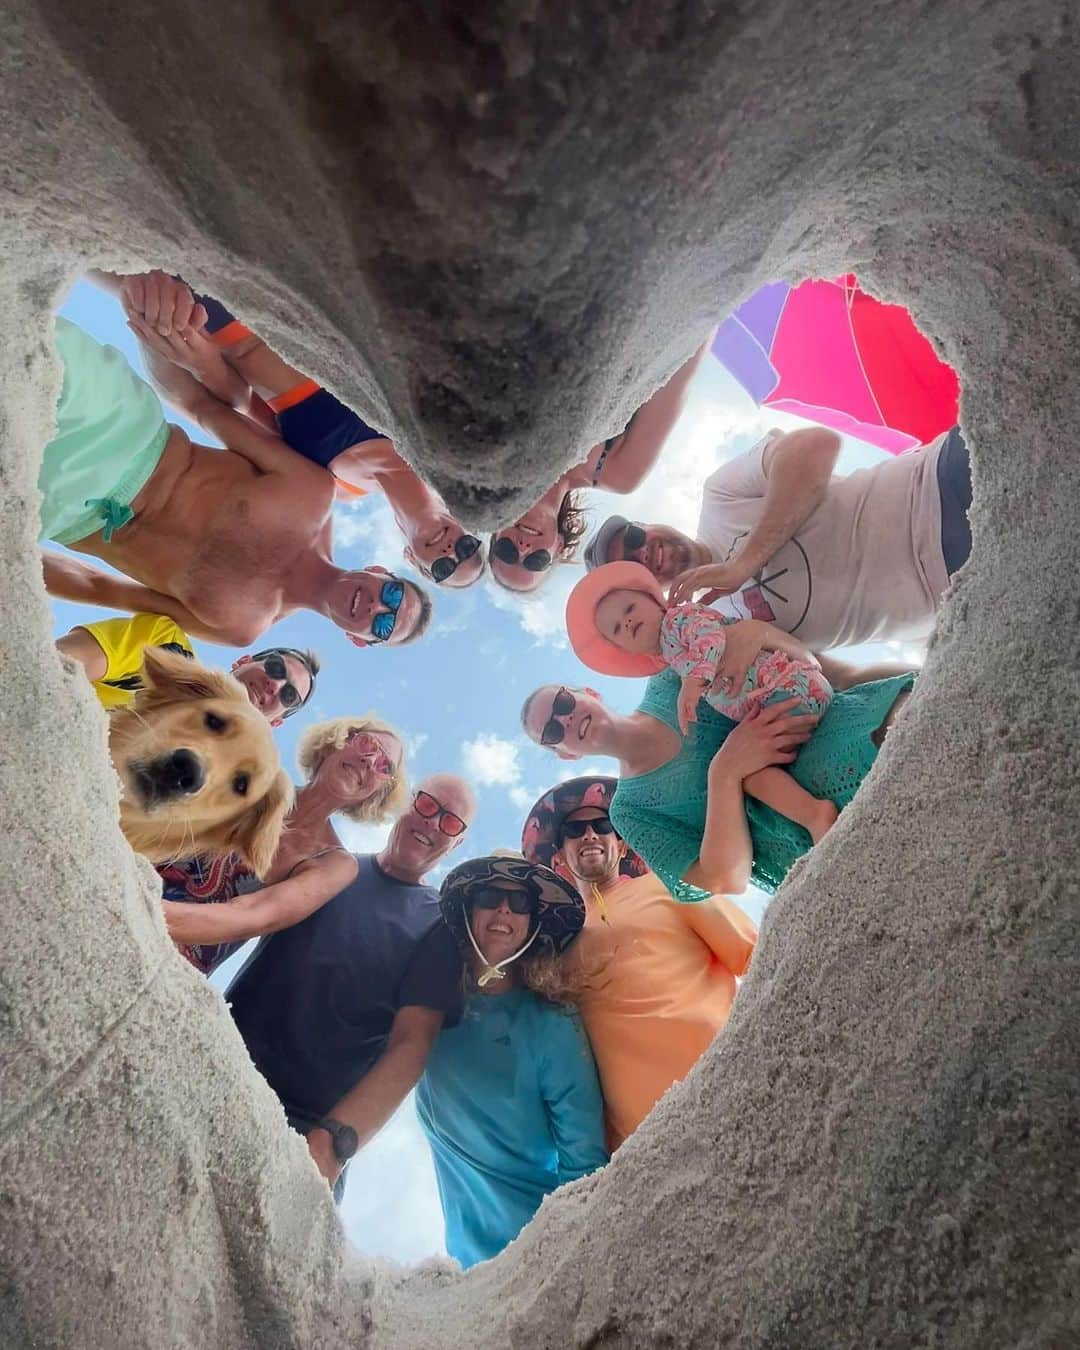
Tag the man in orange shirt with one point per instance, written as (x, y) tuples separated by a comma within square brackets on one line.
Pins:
[(661, 975)]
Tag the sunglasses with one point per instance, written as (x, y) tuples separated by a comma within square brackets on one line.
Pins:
[(563, 703), (288, 694), (464, 548), (491, 897), (380, 760), (506, 551), (429, 808), (391, 595), (633, 540), (576, 829)]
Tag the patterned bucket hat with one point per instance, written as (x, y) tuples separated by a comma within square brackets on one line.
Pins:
[(560, 911), (540, 837)]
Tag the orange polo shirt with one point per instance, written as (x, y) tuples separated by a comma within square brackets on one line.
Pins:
[(662, 977)]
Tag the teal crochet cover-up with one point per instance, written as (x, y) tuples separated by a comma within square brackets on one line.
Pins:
[(661, 814)]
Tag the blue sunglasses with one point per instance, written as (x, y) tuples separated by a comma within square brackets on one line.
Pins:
[(391, 595)]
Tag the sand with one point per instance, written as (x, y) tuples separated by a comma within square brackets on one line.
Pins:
[(495, 235)]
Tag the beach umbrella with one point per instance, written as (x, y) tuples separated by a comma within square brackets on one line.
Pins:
[(827, 351)]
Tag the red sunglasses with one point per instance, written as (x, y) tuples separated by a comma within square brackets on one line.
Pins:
[(429, 808)]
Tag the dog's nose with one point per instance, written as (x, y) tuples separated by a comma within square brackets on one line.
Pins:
[(176, 775)]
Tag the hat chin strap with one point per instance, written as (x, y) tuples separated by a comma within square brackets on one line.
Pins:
[(491, 973)]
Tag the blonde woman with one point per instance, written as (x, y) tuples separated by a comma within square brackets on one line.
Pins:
[(353, 766)]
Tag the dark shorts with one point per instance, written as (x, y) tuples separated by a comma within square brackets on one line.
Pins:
[(954, 485), (320, 428)]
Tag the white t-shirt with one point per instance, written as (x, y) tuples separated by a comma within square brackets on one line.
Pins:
[(866, 566)]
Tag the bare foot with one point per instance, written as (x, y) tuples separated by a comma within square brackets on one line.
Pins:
[(822, 821)]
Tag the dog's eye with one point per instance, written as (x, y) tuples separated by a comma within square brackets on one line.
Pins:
[(213, 722), (240, 784)]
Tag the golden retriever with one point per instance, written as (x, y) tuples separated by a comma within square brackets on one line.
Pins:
[(198, 767)]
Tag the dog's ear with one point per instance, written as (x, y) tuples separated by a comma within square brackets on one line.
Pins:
[(169, 677), (256, 835)]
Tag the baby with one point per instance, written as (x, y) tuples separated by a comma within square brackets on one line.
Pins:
[(631, 631)]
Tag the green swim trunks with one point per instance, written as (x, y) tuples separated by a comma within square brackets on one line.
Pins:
[(110, 435)]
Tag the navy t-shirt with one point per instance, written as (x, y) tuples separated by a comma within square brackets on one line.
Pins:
[(315, 1002)]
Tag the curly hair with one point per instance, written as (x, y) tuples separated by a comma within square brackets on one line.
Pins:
[(549, 977), (323, 738), (572, 523)]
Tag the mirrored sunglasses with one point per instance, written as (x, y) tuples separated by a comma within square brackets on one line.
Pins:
[(491, 897), (429, 807), (506, 551), (464, 549), (391, 595), (563, 703)]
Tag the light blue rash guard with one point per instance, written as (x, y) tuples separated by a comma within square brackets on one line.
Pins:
[(511, 1106)]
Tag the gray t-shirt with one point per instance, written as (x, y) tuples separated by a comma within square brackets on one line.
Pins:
[(866, 566)]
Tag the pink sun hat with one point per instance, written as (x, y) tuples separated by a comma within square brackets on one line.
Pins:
[(590, 646)]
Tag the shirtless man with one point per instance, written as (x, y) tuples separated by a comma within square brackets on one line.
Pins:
[(231, 361), (224, 542)]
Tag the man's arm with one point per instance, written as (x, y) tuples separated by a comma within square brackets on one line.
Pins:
[(167, 362), (69, 579), (727, 932), (370, 1104), (631, 456), (797, 468)]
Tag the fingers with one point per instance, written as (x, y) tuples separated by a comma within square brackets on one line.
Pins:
[(150, 337), (133, 295), (681, 589), (151, 307), (183, 306), (776, 710)]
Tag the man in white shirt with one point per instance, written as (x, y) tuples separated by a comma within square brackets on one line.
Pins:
[(834, 560)]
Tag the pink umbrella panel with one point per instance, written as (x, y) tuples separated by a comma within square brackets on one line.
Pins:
[(828, 352)]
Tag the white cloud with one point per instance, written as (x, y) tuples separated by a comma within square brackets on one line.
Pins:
[(365, 532), (415, 742), (491, 760), (362, 836)]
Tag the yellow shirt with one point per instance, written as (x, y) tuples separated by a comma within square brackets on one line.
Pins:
[(123, 642), (662, 979)]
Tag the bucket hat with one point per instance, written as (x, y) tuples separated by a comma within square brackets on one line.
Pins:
[(591, 647)]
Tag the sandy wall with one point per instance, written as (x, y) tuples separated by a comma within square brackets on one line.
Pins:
[(500, 234)]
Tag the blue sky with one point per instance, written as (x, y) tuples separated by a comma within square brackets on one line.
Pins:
[(456, 697)]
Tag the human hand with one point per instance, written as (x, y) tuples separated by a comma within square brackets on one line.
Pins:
[(163, 302), (743, 642), (690, 692), (320, 1144), (716, 579), (188, 350), (766, 736)]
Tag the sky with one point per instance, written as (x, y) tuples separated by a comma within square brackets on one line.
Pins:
[(456, 696)]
